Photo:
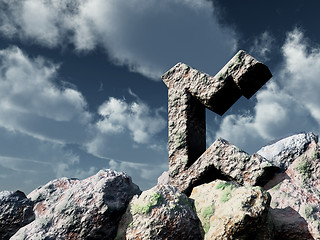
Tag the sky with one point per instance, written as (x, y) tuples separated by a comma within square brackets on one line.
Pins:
[(81, 88)]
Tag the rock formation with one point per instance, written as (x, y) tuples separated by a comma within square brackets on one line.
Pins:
[(190, 92), (283, 152), (226, 161), (230, 211), (162, 212), (100, 207), (295, 205), (15, 212), (214, 194), (73, 209)]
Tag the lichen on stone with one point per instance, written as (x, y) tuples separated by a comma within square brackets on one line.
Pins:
[(304, 168), (227, 188), (206, 215), (153, 201)]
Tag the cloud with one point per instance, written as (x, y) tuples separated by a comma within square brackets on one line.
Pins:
[(147, 36), (288, 104), (38, 118), (144, 175), (136, 117), (27, 162), (32, 103), (46, 130), (262, 46)]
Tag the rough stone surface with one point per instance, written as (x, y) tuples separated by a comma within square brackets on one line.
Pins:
[(162, 212), (73, 209), (191, 91), (164, 178), (15, 212), (225, 161), (229, 211), (295, 205), (283, 152)]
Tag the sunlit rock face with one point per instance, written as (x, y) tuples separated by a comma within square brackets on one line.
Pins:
[(230, 211), (80, 209), (283, 152), (162, 212)]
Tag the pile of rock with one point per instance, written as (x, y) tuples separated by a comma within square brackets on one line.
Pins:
[(218, 193), (73, 209), (109, 206)]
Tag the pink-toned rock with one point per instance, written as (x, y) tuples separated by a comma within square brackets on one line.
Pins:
[(79, 209), (295, 205), (15, 212)]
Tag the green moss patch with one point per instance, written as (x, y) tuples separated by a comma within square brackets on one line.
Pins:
[(304, 168), (155, 200), (227, 188), (206, 215)]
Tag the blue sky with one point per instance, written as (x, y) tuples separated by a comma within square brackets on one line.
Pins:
[(80, 85)]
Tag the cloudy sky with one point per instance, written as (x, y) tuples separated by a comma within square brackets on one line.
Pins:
[(80, 85)]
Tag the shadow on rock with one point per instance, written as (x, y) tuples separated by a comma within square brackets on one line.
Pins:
[(289, 224)]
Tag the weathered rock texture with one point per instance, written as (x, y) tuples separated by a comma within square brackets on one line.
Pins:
[(164, 178), (295, 205), (15, 212), (283, 152), (191, 91), (162, 212), (74, 209), (225, 161), (229, 211)]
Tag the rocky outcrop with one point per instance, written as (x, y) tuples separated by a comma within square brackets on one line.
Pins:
[(15, 212), (230, 211), (79, 209), (229, 207), (226, 201), (283, 152), (162, 212), (295, 205), (223, 160)]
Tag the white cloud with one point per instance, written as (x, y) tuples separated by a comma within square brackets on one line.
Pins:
[(289, 103), (32, 103), (144, 175), (137, 118), (146, 35), (262, 46), (41, 122)]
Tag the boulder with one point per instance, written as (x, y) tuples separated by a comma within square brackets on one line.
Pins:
[(230, 211), (295, 205), (162, 212), (15, 212), (80, 209), (283, 152)]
